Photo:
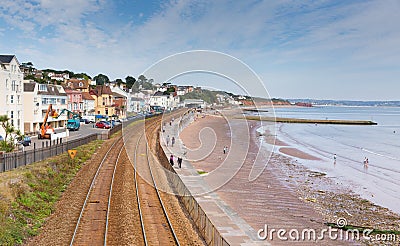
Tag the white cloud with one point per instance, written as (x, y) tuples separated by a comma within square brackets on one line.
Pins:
[(275, 37)]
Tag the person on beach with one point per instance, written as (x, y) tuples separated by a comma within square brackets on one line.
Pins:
[(365, 161), (334, 157), (179, 162), (171, 160), (172, 141), (167, 140), (225, 149)]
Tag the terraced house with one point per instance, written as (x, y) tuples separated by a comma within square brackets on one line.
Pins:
[(103, 101), (11, 102), (40, 96)]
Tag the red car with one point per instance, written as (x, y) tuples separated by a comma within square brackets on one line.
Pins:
[(103, 124)]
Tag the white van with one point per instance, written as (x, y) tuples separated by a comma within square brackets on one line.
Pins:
[(90, 118)]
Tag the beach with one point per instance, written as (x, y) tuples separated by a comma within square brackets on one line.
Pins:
[(286, 195)]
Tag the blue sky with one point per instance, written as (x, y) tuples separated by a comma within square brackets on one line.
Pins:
[(300, 49)]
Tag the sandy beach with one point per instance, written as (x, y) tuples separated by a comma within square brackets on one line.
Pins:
[(286, 195)]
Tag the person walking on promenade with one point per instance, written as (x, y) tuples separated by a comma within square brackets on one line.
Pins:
[(167, 140), (171, 160), (179, 162), (225, 149), (172, 141)]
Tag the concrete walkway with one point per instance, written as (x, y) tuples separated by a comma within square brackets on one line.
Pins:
[(233, 228)]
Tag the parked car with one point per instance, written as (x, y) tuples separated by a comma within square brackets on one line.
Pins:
[(85, 121), (26, 141), (103, 124)]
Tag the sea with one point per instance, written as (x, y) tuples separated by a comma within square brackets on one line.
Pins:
[(380, 181)]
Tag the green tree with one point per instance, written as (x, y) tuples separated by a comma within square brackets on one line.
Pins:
[(142, 79), (11, 134), (130, 81), (101, 79), (119, 81)]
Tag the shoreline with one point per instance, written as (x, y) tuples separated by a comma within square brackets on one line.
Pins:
[(328, 199)]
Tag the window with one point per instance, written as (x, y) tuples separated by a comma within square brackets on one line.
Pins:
[(42, 87), (62, 101), (6, 83), (18, 99), (12, 99), (12, 114), (13, 85), (44, 101)]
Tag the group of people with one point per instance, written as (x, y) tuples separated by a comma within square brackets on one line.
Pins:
[(366, 161), (171, 161), (172, 141)]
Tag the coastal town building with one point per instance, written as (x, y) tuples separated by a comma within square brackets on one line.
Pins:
[(74, 101), (41, 96), (143, 94), (124, 99), (81, 85), (11, 90), (88, 104), (58, 76), (104, 104), (119, 105), (166, 101), (194, 103), (137, 105)]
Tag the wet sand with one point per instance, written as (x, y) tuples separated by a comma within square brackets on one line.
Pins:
[(268, 200), (286, 195)]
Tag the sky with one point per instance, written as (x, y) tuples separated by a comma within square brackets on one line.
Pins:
[(317, 49)]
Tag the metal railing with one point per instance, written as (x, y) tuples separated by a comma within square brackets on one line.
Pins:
[(48, 148), (9, 161)]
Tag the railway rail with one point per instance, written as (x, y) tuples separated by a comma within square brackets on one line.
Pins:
[(92, 224), (156, 225), (120, 204)]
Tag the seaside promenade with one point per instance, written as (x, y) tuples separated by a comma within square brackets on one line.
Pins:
[(240, 208), (233, 229)]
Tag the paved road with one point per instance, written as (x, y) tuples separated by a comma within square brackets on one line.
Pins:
[(85, 129)]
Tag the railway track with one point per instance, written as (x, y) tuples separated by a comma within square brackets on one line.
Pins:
[(156, 225), (123, 205), (92, 224)]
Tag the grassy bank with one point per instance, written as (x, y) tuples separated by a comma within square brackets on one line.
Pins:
[(312, 121), (28, 194)]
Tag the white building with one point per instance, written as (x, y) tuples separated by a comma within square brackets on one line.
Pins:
[(58, 76), (143, 94), (168, 102), (122, 92), (137, 105), (88, 104), (194, 103), (11, 92), (40, 96)]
